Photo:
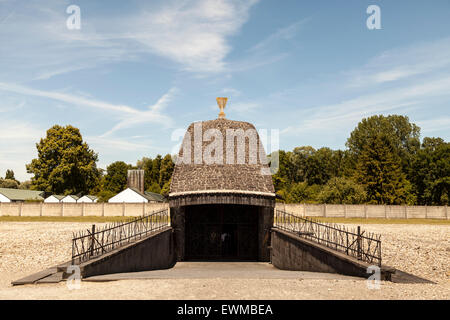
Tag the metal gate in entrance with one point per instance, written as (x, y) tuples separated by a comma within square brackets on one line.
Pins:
[(221, 232)]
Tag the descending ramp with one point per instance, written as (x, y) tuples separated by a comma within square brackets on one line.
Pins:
[(143, 243), (307, 245)]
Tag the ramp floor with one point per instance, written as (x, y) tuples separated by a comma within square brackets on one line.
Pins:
[(220, 270)]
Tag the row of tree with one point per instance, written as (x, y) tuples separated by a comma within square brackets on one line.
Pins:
[(384, 163)]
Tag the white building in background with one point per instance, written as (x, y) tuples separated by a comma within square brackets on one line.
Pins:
[(132, 195), (87, 199), (70, 199), (54, 198)]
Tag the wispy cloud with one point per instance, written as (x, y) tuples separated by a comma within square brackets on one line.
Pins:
[(349, 112), (434, 124), (153, 114), (286, 33), (193, 34), (402, 63), (64, 97), (129, 115)]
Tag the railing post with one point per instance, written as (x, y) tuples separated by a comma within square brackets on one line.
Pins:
[(92, 239), (73, 252), (358, 243), (346, 232)]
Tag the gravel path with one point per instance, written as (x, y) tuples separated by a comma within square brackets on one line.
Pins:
[(28, 247)]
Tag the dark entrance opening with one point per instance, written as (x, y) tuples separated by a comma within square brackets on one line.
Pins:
[(221, 232)]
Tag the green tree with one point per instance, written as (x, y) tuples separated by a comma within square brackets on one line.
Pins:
[(299, 163), (430, 172), (302, 192), (8, 183), (379, 171), (155, 169), (116, 177), (402, 135), (342, 190), (65, 164), (166, 188), (26, 185), (10, 175), (299, 192), (166, 170), (105, 195), (322, 165), (155, 188), (283, 177)]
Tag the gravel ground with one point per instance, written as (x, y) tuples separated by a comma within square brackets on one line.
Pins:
[(28, 247)]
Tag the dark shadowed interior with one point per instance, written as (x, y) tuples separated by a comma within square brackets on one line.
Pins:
[(221, 232)]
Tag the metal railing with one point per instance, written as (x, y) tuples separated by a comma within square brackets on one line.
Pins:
[(362, 245), (89, 244)]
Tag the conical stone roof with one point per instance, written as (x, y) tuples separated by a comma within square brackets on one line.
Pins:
[(221, 156)]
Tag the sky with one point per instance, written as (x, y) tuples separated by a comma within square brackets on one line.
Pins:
[(137, 73)]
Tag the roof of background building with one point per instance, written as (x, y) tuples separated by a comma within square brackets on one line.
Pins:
[(57, 196), (72, 196), (234, 178), (90, 197), (21, 195), (150, 196)]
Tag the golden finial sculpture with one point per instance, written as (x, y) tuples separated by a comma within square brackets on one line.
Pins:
[(222, 103)]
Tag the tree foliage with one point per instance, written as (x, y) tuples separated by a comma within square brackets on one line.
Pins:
[(116, 176), (379, 170), (384, 163), (342, 190), (430, 172), (65, 164), (8, 183), (9, 175)]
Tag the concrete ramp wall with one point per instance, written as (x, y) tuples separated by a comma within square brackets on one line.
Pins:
[(155, 251), (291, 252)]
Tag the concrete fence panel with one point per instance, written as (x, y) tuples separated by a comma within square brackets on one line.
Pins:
[(151, 207), (114, 209), (416, 212), (52, 209), (335, 210), (314, 210), (374, 211), (395, 212), (355, 211), (93, 209), (297, 209), (434, 212), (72, 209), (10, 209), (134, 209), (31, 210)]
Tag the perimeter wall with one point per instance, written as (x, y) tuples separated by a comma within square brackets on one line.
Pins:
[(137, 209)]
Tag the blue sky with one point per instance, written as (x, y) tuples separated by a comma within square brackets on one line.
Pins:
[(138, 72)]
